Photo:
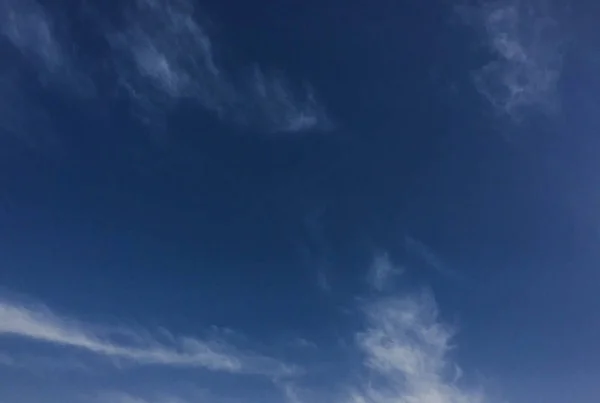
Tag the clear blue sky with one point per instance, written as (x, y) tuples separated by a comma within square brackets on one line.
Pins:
[(299, 201)]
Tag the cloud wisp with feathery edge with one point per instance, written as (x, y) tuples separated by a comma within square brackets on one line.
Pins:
[(40, 324)]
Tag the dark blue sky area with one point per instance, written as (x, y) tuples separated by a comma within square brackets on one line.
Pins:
[(181, 217)]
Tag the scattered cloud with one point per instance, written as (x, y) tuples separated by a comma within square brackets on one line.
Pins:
[(404, 358), (526, 46), (138, 347), (160, 56), (163, 55), (401, 352)]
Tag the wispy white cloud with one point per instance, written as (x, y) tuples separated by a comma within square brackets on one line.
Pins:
[(526, 44), (138, 347), (164, 55)]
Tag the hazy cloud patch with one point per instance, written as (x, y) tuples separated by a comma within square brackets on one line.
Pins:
[(526, 46)]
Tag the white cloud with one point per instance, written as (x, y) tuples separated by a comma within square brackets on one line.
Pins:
[(139, 347), (405, 348), (526, 46)]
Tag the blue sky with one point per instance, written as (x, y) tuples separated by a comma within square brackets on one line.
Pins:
[(299, 202)]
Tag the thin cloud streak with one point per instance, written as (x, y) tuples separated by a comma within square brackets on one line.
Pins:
[(41, 325)]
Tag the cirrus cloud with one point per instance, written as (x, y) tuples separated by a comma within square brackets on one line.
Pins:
[(138, 347)]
